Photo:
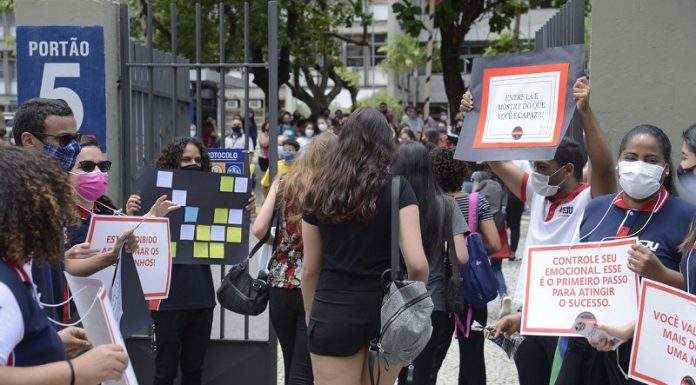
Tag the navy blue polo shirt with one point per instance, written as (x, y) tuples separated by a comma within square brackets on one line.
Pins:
[(662, 234), (39, 343)]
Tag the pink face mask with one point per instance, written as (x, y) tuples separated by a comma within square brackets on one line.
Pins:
[(91, 186)]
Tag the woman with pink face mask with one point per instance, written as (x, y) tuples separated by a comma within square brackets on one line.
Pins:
[(90, 179)]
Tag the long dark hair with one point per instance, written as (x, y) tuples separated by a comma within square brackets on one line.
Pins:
[(348, 184), (665, 147), (172, 153), (413, 163)]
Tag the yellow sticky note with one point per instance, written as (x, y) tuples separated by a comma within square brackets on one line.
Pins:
[(217, 250), (234, 234), (200, 249), (173, 249), (226, 184), (220, 217), (202, 233)]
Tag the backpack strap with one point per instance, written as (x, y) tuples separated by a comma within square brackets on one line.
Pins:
[(473, 212), (395, 192)]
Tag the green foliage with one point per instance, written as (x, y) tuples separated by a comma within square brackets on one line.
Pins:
[(382, 97), (7, 6), (408, 16), (505, 43), (404, 54), (351, 78)]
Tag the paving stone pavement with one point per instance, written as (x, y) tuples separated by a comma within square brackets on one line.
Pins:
[(500, 370)]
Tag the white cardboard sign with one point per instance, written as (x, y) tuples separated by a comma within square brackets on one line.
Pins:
[(565, 280), (153, 258), (664, 343), (101, 328)]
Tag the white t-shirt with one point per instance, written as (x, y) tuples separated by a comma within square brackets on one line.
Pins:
[(304, 141), (550, 222), (12, 323), (239, 143)]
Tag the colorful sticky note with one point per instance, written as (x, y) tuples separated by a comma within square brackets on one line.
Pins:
[(235, 217), (179, 197), (240, 185), (226, 184), (202, 233), (234, 234), (186, 233), (217, 250), (217, 233), (191, 214), (200, 249), (220, 216), (173, 249), (164, 179)]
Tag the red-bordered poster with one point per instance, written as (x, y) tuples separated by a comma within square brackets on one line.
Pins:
[(522, 104), (563, 281), (153, 259), (664, 343)]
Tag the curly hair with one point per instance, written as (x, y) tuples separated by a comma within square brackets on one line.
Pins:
[(347, 186), (298, 181), (449, 172), (171, 155), (37, 206)]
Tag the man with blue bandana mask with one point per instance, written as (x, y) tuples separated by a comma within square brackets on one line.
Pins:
[(48, 125)]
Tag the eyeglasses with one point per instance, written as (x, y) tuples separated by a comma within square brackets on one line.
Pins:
[(88, 165), (64, 139)]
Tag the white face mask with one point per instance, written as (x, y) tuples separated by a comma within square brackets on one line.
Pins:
[(640, 180), (540, 184), (309, 132), (322, 127)]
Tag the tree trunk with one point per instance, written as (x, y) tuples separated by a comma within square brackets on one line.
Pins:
[(450, 52)]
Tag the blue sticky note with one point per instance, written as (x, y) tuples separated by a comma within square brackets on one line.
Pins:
[(191, 214)]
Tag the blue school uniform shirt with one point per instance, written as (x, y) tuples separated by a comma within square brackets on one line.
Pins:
[(662, 235), (26, 336)]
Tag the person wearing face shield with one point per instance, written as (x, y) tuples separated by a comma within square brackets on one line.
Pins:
[(557, 199)]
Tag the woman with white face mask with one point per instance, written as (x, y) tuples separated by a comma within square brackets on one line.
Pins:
[(645, 208)]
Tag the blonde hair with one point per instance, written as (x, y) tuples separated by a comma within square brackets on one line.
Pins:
[(295, 184)]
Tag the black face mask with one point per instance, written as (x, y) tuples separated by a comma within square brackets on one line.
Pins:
[(192, 167), (236, 129)]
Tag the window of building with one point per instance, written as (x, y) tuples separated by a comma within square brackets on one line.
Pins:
[(355, 54)]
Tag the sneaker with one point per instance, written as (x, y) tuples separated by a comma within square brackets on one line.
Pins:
[(505, 307)]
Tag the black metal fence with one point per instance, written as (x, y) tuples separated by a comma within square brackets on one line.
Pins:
[(157, 95)]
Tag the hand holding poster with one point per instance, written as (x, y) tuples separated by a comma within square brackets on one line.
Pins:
[(664, 344), (523, 103), (563, 281), (152, 258)]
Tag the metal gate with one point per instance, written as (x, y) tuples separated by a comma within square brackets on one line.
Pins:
[(157, 96), (565, 28)]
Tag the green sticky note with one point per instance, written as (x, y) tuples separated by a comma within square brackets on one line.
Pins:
[(202, 233), (173, 249), (234, 234), (220, 216), (226, 184), (200, 249), (217, 250)]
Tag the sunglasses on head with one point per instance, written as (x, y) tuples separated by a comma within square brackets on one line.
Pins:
[(63, 139), (88, 165)]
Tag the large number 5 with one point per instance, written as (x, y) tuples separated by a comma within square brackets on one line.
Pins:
[(63, 70)]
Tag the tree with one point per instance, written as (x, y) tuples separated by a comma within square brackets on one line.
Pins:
[(454, 19), (309, 46)]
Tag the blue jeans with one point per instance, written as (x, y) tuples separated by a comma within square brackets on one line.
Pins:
[(497, 265)]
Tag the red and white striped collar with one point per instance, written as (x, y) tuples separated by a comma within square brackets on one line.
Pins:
[(654, 205)]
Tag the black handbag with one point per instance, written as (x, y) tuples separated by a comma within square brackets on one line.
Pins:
[(239, 292)]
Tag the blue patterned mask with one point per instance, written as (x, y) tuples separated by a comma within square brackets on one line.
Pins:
[(66, 156)]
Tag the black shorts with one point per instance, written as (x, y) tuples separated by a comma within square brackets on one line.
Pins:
[(343, 322)]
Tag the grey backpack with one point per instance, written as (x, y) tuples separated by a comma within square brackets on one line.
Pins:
[(406, 309)]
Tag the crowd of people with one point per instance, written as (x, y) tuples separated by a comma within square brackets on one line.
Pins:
[(332, 200)]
